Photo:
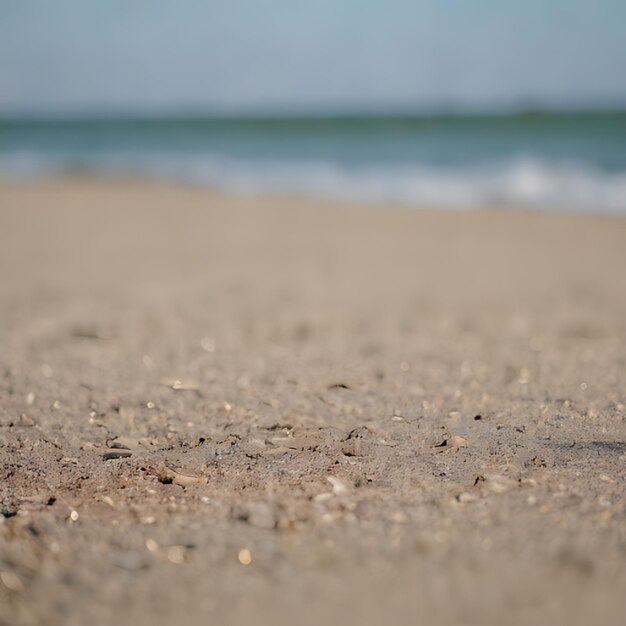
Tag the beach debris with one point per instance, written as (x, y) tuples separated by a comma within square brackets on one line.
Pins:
[(244, 556), (182, 477), (74, 516), (152, 545), (23, 420), (11, 580), (340, 488), (453, 442), (121, 447)]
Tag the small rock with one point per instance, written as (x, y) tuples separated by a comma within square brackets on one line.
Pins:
[(454, 441), (25, 421), (116, 453), (11, 580), (244, 556), (466, 497), (177, 554)]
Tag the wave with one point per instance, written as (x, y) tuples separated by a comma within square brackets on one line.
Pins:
[(520, 182)]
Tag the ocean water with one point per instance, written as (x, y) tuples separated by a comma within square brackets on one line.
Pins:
[(553, 161)]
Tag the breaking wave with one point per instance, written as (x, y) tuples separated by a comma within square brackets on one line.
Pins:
[(519, 182)]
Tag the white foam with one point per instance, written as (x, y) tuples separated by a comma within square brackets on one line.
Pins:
[(522, 182)]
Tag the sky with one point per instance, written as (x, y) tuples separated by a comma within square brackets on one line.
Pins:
[(153, 56)]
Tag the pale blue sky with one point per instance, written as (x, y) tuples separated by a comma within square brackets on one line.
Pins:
[(168, 55)]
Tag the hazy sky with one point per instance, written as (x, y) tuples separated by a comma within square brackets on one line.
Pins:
[(69, 55)]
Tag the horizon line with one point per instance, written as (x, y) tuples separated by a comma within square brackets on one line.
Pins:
[(300, 113)]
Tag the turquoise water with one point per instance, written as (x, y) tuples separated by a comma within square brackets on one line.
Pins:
[(569, 161)]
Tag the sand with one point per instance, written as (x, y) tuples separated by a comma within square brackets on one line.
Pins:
[(226, 409)]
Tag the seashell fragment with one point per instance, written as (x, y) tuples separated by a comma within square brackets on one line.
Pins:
[(182, 477)]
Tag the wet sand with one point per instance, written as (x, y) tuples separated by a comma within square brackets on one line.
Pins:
[(225, 409)]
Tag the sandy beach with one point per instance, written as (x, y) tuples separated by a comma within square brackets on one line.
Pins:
[(233, 409)]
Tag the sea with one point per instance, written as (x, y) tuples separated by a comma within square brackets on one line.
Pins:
[(540, 160)]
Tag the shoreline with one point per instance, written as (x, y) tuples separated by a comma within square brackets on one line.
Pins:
[(267, 197)]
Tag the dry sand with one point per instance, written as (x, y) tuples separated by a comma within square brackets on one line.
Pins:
[(277, 377)]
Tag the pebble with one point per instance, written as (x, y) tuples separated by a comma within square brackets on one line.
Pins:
[(116, 453), (11, 580), (244, 556), (152, 545), (177, 554), (454, 441), (466, 497)]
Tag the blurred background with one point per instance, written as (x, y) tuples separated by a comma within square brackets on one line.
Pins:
[(434, 103)]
